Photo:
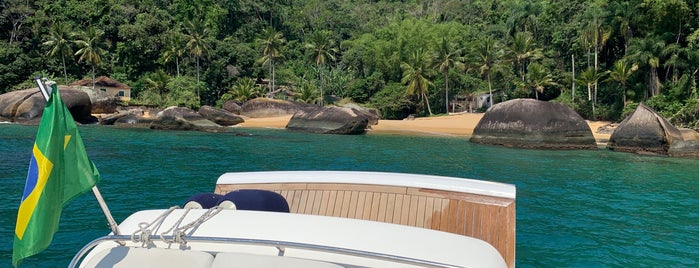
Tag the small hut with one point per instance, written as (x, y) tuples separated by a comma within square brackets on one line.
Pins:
[(106, 85)]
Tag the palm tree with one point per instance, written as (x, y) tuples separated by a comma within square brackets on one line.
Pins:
[(59, 42), (158, 82), (674, 60), (624, 15), (447, 56), (321, 46), (156, 91), (591, 77), (197, 42), (307, 92), (586, 40), (523, 15), (621, 72), (415, 76), (486, 57), (245, 90), (91, 49), (174, 49), (522, 49), (594, 34), (693, 59), (539, 78), (645, 52), (271, 43)]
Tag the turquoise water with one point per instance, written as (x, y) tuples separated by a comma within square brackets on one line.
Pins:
[(574, 208)]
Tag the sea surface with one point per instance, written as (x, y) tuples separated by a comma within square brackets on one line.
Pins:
[(592, 208)]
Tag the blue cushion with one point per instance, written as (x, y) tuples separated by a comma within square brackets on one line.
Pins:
[(259, 200), (206, 200)]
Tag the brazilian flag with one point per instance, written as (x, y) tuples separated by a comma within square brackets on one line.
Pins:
[(58, 171)]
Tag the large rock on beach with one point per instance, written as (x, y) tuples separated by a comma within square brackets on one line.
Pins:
[(102, 102), (264, 107), (110, 119), (529, 123), (181, 118), (232, 106), (220, 116), (135, 116), (646, 132), (133, 120), (371, 114), (329, 120), (688, 147), (104, 105), (27, 106)]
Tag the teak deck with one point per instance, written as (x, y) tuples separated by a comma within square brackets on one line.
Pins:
[(488, 218)]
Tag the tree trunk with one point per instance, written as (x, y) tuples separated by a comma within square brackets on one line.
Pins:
[(271, 74), (654, 83), (15, 30), (589, 98), (93, 77), (490, 90), (65, 73), (446, 94), (197, 71), (594, 99), (427, 101), (588, 57), (322, 84), (177, 63), (198, 78), (273, 86), (694, 83), (573, 86), (596, 64)]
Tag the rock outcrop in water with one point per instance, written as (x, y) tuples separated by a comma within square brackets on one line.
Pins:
[(528, 123), (134, 116), (646, 132), (180, 118), (27, 106), (133, 120), (220, 116), (329, 120)]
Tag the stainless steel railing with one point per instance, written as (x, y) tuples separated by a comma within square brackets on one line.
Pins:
[(280, 245)]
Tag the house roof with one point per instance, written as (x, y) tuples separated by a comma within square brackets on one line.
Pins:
[(101, 81)]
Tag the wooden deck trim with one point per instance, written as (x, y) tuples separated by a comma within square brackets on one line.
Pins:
[(488, 218)]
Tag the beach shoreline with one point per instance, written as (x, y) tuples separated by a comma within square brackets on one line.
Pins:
[(458, 125)]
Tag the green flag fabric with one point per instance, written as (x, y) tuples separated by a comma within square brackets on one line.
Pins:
[(58, 171)]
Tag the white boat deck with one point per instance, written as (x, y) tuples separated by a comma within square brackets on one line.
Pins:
[(480, 209), (292, 231), (443, 183)]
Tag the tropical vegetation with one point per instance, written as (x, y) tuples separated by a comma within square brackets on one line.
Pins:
[(600, 57)]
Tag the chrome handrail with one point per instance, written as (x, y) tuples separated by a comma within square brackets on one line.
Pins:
[(281, 245)]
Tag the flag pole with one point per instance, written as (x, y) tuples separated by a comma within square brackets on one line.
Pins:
[(112, 223)]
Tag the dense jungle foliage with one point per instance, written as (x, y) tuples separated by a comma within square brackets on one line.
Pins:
[(601, 57)]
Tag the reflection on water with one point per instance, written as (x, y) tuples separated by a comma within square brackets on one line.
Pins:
[(574, 208)]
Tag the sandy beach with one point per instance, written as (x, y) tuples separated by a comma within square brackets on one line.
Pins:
[(451, 125)]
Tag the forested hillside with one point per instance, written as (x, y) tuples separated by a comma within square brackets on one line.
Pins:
[(601, 57)]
